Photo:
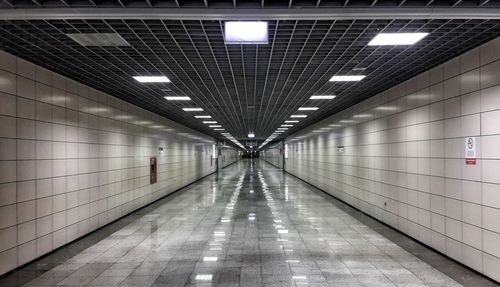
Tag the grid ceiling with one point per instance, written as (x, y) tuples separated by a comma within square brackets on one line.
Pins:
[(245, 3), (244, 87)]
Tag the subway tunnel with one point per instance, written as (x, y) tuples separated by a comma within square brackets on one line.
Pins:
[(250, 143)]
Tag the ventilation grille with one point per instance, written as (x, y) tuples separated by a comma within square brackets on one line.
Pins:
[(99, 39)]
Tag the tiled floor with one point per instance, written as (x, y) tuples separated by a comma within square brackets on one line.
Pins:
[(251, 226)]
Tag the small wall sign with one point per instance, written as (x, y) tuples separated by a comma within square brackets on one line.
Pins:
[(470, 151)]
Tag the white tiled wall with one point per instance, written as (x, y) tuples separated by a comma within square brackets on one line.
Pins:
[(272, 155), (404, 157), (73, 159), (228, 156)]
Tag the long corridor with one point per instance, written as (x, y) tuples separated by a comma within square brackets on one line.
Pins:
[(251, 226)]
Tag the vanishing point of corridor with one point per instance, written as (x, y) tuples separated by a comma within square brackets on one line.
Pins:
[(250, 225)]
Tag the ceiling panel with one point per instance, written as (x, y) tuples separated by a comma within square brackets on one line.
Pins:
[(244, 87)]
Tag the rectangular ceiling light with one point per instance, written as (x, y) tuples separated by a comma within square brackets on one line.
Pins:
[(298, 116), (203, 117), (322, 97), (287, 126), (218, 129), (397, 39), (292, 121), (308, 108), (251, 135), (215, 126), (192, 109), (151, 79), (246, 32), (98, 39), (177, 98), (209, 122), (347, 78)]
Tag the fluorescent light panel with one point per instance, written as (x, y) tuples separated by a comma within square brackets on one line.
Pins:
[(177, 98), (292, 121), (298, 116), (322, 97), (209, 122), (215, 126), (246, 32), (354, 78), (192, 109), (396, 39), (251, 135), (308, 108), (152, 79), (203, 117)]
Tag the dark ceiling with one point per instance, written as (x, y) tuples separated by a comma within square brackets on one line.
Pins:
[(244, 87), (247, 3)]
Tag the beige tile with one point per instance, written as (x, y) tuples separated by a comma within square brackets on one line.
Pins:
[(7, 127), (7, 82), (8, 260), (8, 238), (8, 215), (7, 104), (26, 129), (26, 231), (26, 88), (27, 252), (26, 211), (490, 218), (8, 149)]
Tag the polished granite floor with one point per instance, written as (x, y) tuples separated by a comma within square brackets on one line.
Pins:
[(251, 225)]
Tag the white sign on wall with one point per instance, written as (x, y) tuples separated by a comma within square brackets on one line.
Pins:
[(470, 151)]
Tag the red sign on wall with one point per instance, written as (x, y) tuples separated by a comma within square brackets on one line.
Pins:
[(470, 161), (153, 173)]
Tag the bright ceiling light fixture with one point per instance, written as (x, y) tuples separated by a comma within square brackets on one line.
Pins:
[(177, 98), (396, 39), (151, 79), (347, 78), (287, 126), (322, 97), (219, 129), (292, 121), (246, 32), (203, 117), (308, 108), (209, 122), (215, 126), (251, 135), (192, 109), (298, 116)]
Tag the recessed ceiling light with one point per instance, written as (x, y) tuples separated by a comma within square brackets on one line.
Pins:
[(251, 135), (215, 126), (245, 32), (152, 79), (177, 98), (292, 121), (283, 129), (396, 39), (287, 125), (192, 109), (203, 117), (218, 129), (347, 78), (308, 108), (298, 116), (322, 97), (209, 122)]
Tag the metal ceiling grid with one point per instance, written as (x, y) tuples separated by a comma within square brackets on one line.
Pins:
[(246, 88), (247, 4)]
